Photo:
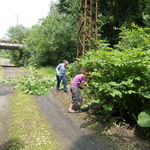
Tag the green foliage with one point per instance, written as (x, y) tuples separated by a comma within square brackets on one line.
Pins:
[(146, 13), (134, 38), (55, 37), (16, 57), (4, 54), (119, 81), (28, 129), (17, 33), (113, 14), (35, 84), (117, 13), (144, 118), (47, 71), (68, 7)]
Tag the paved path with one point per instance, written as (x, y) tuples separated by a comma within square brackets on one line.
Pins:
[(5, 95), (68, 127), (5, 92)]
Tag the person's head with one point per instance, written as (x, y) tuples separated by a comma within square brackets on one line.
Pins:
[(66, 63), (85, 73)]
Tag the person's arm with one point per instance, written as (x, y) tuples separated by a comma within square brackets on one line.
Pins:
[(84, 83), (57, 69)]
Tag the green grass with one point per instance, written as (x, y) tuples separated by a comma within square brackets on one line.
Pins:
[(5, 56), (47, 71), (1, 72), (28, 129)]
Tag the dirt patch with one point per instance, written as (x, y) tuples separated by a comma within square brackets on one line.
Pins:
[(121, 131), (127, 138)]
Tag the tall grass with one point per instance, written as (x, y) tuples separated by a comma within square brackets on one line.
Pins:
[(47, 71)]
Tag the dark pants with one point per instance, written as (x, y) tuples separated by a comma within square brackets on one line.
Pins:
[(64, 80), (76, 95)]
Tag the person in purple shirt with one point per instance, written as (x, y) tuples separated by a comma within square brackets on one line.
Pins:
[(77, 81)]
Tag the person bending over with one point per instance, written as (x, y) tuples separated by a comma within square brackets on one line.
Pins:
[(78, 80)]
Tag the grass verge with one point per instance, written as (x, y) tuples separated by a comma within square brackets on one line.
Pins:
[(47, 71), (29, 130), (1, 72)]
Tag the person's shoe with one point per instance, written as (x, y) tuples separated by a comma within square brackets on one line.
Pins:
[(57, 91), (71, 111), (66, 91)]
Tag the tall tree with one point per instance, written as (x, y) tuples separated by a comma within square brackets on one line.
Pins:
[(117, 13), (53, 40), (146, 13), (17, 33), (112, 15), (68, 6)]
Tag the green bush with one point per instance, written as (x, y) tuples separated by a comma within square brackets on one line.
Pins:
[(144, 118), (119, 81), (52, 41), (134, 38)]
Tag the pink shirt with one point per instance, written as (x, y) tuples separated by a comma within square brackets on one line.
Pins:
[(77, 80)]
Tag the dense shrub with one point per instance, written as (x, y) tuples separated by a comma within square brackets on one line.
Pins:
[(119, 83), (119, 80), (134, 37), (52, 41)]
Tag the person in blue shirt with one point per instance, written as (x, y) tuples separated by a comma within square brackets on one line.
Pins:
[(61, 76)]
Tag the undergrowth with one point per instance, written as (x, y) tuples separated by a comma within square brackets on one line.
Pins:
[(35, 84)]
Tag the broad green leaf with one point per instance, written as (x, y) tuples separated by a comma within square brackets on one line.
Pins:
[(144, 118), (146, 94)]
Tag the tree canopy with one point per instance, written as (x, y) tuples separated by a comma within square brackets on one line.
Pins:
[(17, 33)]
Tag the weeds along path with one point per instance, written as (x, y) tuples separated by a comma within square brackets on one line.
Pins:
[(68, 127), (5, 94)]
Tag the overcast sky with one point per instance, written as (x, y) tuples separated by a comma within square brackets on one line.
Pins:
[(25, 12)]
